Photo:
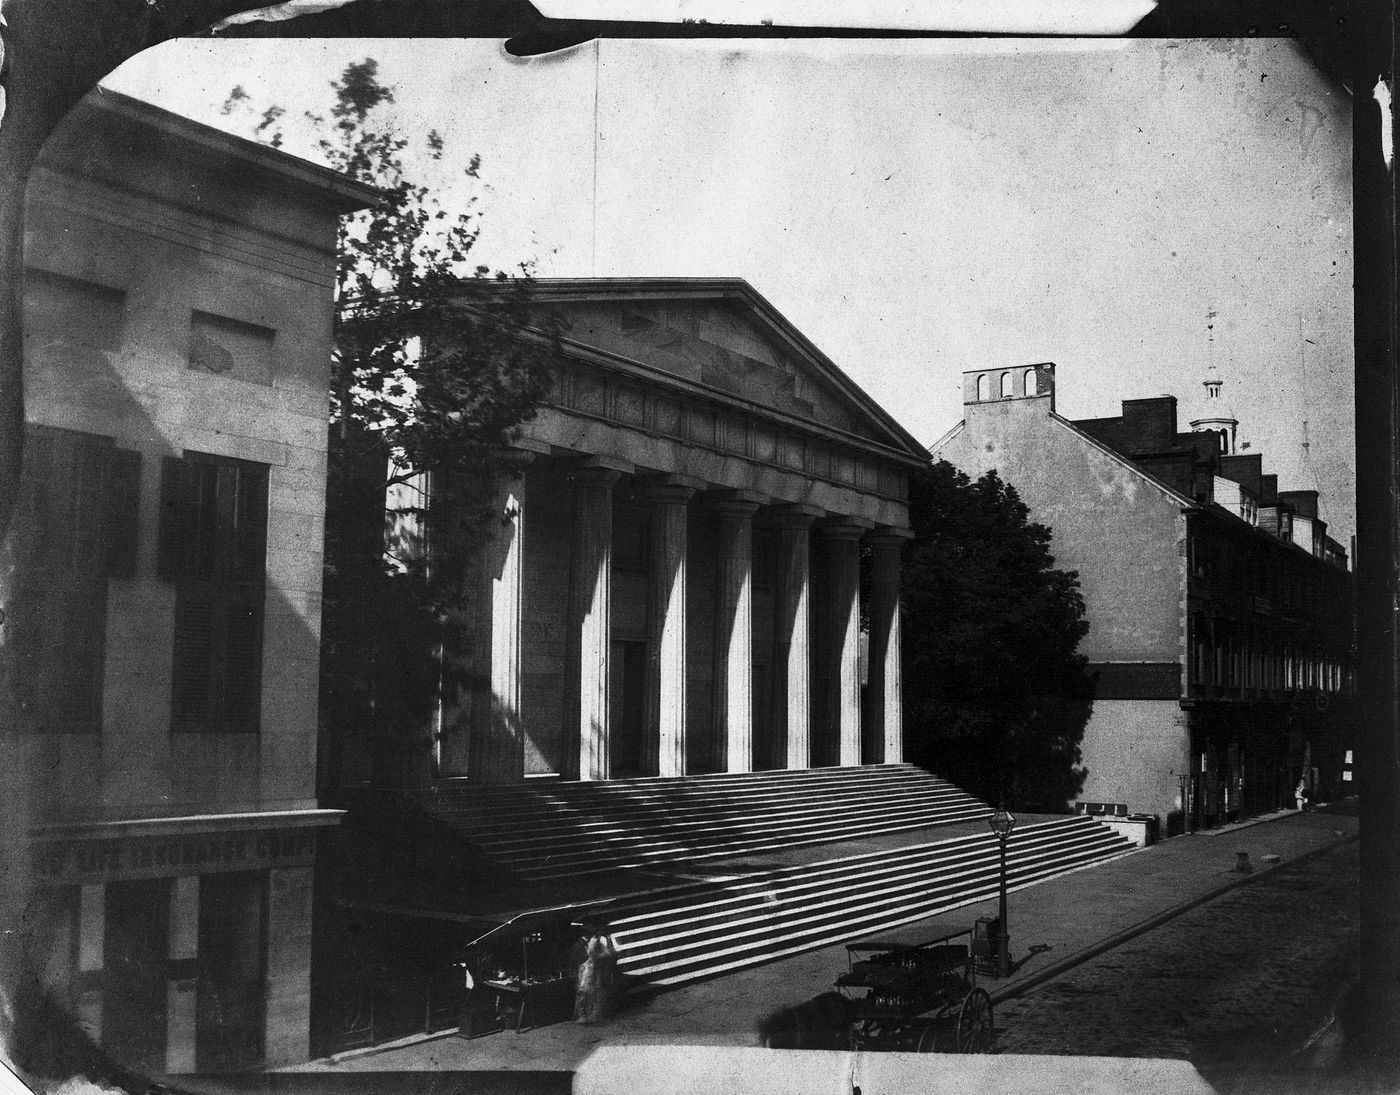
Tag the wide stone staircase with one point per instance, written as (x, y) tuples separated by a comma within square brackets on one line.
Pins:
[(687, 933), (559, 830)]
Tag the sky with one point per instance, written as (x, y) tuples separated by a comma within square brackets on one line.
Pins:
[(1135, 211)]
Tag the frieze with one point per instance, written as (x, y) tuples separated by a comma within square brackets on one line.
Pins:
[(585, 391)]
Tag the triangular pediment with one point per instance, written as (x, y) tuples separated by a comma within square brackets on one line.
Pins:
[(726, 338)]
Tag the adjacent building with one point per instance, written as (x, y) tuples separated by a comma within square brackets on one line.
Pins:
[(178, 312), (1219, 609)]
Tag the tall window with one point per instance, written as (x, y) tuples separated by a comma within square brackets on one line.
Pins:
[(984, 387), (1006, 386), (1031, 388), (213, 546), (75, 527)]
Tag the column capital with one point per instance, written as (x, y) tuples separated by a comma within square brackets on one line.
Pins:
[(889, 535), (512, 461), (844, 528), (600, 469), (669, 488), (791, 516), (529, 445), (734, 503)]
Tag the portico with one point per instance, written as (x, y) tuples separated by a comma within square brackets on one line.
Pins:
[(675, 583)]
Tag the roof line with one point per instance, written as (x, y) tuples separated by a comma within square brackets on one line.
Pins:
[(1170, 492), (738, 289), (348, 194), (948, 436)]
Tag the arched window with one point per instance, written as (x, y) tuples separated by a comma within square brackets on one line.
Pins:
[(1030, 382), (983, 387), (1005, 385)]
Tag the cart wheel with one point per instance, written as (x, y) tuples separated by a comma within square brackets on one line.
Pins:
[(928, 1040), (974, 1033)]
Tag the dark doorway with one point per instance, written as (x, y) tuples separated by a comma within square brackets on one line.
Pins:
[(229, 1016), (628, 708), (136, 945)]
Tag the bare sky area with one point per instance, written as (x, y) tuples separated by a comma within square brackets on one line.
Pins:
[(917, 208)]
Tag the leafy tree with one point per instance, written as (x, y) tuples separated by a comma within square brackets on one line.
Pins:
[(996, 698), (437, 362)]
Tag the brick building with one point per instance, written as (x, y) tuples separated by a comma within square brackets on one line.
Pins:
[(1219, 608), (178, 305)]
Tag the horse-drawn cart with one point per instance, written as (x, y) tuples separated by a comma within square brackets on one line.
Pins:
[(916, 996)]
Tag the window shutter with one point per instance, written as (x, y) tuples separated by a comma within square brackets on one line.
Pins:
[(123, 513), (250, 525), (194, 648), (188, 519), (242, 667), (173, 535), (59, 606)]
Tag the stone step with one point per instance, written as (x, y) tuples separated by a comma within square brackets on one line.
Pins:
[(697, 931)]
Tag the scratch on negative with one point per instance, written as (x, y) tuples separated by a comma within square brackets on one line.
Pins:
[(1382, 96)]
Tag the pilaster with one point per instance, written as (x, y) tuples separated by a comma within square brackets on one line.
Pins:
[(181, 994)]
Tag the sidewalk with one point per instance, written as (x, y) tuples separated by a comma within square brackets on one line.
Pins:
[(1052, 925)]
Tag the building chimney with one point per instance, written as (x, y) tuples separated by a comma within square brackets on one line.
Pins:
[(1018, 382)]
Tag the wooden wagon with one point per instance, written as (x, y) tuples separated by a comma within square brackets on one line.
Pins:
[(916, 996)]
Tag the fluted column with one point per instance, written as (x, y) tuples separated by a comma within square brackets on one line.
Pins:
[(592, 614), (733, 699), (842, 541), (663, 740), (498, 745), (884, 689), (793, 628)]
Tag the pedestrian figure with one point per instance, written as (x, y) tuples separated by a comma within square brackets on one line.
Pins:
[(597, 975), (1300, 794)]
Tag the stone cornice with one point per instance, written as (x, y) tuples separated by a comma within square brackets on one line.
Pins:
[(199, 229), (314, 182), (733, 429)]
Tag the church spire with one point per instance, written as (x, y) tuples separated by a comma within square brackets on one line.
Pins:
[(1218, 415)]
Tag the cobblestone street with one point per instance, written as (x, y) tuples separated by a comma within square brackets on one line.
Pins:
[(1239, 983)]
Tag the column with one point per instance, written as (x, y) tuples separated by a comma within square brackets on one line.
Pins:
[(842, 642), (287, 982), (884, 689), (592, 611), (663, 743), (733, 704), (498, 745), (181, 992), (793, 626), (92, 950)]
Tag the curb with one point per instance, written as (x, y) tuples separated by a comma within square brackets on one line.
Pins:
[(1064, 965)]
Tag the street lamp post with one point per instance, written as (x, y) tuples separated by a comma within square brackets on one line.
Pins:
[(1001, 823)]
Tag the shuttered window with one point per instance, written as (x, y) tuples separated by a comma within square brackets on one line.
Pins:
[(75, 526), (213, 546)]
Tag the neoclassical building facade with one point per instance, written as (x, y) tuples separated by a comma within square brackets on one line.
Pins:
[(677, 579)]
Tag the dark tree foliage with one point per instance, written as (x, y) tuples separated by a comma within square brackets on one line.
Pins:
[(996, 698), (437, 362)]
